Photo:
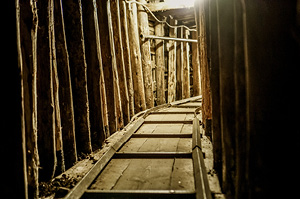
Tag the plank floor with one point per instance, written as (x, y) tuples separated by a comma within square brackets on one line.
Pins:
[(157, 158)]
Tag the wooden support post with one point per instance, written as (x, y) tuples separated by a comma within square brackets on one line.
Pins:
[(186, 67), (116, 82), (45, 102), (116, 24), (94, 62), (227, 93), (27, 25), (146, 57), (160, 64), (172, 63), (76, 48), (271, 69), (215, 88), (107, 62), (204, 68), (240, 103), (179, 66), (127, 58), (136, 61), (196, 67), (60, 165), (65, 91)]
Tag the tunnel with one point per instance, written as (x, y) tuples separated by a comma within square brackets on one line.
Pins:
[(88, 80)]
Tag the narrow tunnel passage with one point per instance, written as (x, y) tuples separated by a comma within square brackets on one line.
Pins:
[(82, 72)]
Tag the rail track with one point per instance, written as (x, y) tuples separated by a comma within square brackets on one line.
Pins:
[(158, 157)]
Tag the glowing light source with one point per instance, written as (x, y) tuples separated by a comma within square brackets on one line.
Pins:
[(180, 3)]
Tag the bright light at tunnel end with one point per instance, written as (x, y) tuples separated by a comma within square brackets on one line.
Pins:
[(180, 3)]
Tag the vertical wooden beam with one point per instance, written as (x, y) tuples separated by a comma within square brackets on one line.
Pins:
[(227, 93), (58, 129), (160, 64), (179, 66), (27, 47), (240, 103), (186, 67), (116, 82), (45, 102), (215, 88), (146, 57), (196, 67), (204, 68), (16, 185), (272, 69), (127, 58), (65, 91), (136, 61), (76, 48), (116, 25), (107, 64), (93, 74), (172, 63)]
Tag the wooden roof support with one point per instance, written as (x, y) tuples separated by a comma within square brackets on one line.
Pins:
[(136, 61), (78, 66), (146, 57), (160, 64), (172, 63)]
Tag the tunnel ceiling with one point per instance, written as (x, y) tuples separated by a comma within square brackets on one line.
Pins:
[(184, 14)]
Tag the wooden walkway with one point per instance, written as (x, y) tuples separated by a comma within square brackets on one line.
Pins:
[(158, 157)]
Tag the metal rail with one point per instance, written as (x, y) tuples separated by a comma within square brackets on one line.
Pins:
[(144, 37), (202, 191)]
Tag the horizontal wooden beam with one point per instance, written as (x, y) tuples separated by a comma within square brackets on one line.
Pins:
[(166, 194), (169, 135), (152, 155)]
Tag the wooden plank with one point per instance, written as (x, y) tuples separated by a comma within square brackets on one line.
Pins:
[(179, 66), (168, 122), (45, 103), (127, 57), (168, 117), (146, 57), (75, 42), (120, 65), (182, 177), (27, 57), (203, 59), (65, 95), (165, 135), (86, 181), (186, 66), (94, 62), (154, 144), (172, 63), (111, 174), (146, 174), (152, 155), (227, 93), (136, 61), (141, 194), (160, 64), (196, 67), (107, 63)]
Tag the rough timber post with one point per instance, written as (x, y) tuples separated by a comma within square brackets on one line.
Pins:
[(136, 61), (172, 63), (107, 63), (127, 58), (146, 57), (160, 64), (65, 91), (75, 41), (94, 62)]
